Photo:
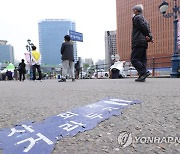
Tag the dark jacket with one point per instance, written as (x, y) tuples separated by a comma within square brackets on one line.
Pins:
[(22, 67), (77, 66), (67, 51), (140, 30)]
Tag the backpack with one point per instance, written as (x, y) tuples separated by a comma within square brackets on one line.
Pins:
[(19, 67)]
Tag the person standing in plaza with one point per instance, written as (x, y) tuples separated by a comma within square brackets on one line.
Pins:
[(77, 69), (22, 70), (141, 35), (67, 53), (36, 63), (15, 73)]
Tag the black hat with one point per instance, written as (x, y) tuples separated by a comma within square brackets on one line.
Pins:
[(67, 37), (33, 47)]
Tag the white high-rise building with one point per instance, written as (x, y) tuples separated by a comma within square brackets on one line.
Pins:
[(110, 47)]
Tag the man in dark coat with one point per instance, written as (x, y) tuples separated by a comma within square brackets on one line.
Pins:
[(22, 70), (141, 35), (77, 70), (67, 52)]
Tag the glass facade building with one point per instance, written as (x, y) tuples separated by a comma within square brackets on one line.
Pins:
[(51, 36), (6, 52)]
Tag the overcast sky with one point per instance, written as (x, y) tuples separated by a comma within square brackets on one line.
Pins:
[(19, 22)]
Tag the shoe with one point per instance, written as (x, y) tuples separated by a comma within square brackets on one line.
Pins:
[(73, 79), (143, 77), (140, 79), (146, 74), (41, 80), (62, 80)]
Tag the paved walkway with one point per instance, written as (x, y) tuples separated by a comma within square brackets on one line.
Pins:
[(157, 116)]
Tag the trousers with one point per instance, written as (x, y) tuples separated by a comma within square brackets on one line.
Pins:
[(67, 68), (34, 67), (20, 76), (139, 59)]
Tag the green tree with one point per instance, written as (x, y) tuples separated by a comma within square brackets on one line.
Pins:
[(85, 66)]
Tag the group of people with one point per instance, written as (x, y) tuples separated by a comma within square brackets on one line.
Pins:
[(67, 63), (141, 36), (35, 61), (67, 52)]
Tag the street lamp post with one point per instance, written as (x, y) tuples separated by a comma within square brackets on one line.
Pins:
[(175, 57), (29, 49)]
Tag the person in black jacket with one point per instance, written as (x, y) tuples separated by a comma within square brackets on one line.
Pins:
[(77, 70), (67, 52), (22, 70), (141, 35)]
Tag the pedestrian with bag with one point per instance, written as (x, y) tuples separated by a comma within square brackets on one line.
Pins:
[(77, 69), (22, 70)]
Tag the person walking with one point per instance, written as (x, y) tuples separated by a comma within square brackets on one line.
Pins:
[(67, 52), (22, 70), (36, 63), (141, 35)]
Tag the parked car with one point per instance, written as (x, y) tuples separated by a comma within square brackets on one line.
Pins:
[(83, 75), (101, 74), (132, 71)]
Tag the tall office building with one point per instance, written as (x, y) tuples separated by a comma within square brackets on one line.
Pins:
[(6, 52), (161, 28), (51, 36), (110, 46)]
